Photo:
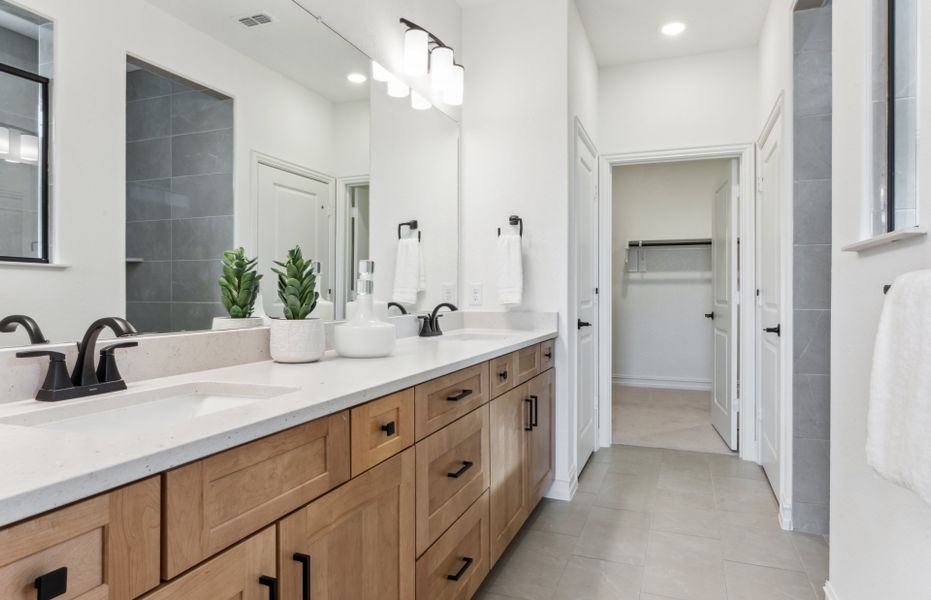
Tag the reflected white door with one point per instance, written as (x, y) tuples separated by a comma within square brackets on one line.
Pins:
[(585, 197), (724, 311), (293, 210), (769, 198)]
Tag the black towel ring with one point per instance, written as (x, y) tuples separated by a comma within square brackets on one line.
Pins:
[(412, 226), (514, 220)]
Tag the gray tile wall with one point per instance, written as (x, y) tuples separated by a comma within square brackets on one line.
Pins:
[(812, 268), (179, 201)]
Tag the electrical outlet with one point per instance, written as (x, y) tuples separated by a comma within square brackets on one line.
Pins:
[(448, 292), (475, 294)]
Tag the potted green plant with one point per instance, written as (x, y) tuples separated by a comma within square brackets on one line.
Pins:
[(297, 338), (239, 287)]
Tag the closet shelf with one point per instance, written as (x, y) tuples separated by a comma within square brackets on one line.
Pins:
[(668, 243)]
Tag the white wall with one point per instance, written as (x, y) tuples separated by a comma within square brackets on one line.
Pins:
[(660, 336), (704, 100), (273, 115), (415, 175), (351, 138), (515, 158), (775, 59), (880, 540), (583, 76)]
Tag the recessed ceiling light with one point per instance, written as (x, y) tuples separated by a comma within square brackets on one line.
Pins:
[(673, 28), (357, 78)]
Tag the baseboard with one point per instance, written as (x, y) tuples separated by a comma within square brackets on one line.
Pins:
[(666, 383), (562, 490), (785, 517), (829, 593)]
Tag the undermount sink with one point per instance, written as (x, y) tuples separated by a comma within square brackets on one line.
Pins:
[(147, 410)]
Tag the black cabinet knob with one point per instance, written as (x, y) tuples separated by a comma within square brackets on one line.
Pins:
[(503, 375), (389, 428), (548, 355), (52, 585)]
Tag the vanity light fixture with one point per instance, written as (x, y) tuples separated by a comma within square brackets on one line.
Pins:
[(673, 28), (418, 102), (441, 66), (380, 73), (397, 88), (425, 53), (452, 94), (416, 52), (357, 78)]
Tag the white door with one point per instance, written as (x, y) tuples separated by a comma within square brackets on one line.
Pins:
[(293, 210), (585, 197), (769, 198), (724, 311)]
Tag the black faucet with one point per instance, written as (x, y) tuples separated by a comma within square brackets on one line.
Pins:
[(85, 380), (8, 325), (398, 306), (431, 322)]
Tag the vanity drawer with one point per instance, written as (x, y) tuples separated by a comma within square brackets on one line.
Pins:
[(452, 472), (441, 401), (109, 545), (381, 429), (213, 503), (547, 355), (503, 374), (462, 553), (527, 363)]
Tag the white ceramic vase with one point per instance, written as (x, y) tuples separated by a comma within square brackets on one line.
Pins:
[(224, 323), (297, 341)]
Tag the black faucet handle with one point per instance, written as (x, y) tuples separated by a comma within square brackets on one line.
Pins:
[(57, 377), (107, 370)]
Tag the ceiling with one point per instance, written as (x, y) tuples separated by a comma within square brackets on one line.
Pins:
[(626, 31), (293, 44)]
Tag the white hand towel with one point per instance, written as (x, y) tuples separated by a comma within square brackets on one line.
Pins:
[(409, 277), (510, 269), (898, 441)]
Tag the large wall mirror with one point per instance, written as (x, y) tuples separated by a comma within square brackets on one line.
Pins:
[(290, 143)]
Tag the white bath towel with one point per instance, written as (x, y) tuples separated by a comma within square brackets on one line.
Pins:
[(898, 441), (409, 275), (510, 269)]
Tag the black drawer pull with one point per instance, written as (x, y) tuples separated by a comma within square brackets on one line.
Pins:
[(466, 465), (465, 567), (304, 559), (459, 396), (503, 375), (52, 585), (272, 584), (529, 426), (389, 428), (536, 411)]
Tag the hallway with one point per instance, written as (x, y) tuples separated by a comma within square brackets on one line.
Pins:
[(651, 524)]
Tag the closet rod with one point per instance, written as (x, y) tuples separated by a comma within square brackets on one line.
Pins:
[(660, 243)]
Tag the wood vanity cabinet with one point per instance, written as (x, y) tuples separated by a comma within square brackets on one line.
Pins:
[(356, 542), (213, 503), (247, 571), (109, 545)]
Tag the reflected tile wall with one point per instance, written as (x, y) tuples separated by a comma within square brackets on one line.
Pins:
[(812, 270), (179, 201)]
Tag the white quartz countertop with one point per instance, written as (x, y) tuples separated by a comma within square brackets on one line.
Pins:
[(45, 468)]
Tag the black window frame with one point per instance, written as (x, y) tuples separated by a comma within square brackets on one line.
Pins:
[(44, 219)]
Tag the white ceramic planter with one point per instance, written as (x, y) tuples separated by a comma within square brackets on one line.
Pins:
[(224, 323), (298, 341)]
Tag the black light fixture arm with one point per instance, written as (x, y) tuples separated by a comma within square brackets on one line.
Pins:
[(411, 25)]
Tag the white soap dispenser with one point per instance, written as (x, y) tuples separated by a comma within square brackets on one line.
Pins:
[(364, 335), (324, 308)]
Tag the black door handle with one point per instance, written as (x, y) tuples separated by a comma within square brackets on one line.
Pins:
[(529, 425), (536, 411), (389, 428), (777, 330), (709, 316), (503, 375), (459, 396), (52, 585), (304, 559), (584, 324), (272, 584), (466, 465), (465, 567)]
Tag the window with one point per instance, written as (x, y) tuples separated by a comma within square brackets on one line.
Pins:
[(895, 115), (25, 71)]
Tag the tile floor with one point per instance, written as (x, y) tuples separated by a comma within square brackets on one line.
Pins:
[(652, 524), (676, 419)]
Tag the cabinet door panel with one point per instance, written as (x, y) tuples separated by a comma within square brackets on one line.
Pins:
[(380, 429), (541, 390), (527, 363), (359, 538), (454, 567), (510, 498), (502, 373)]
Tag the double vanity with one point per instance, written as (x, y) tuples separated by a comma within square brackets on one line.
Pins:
[(398, 477)]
